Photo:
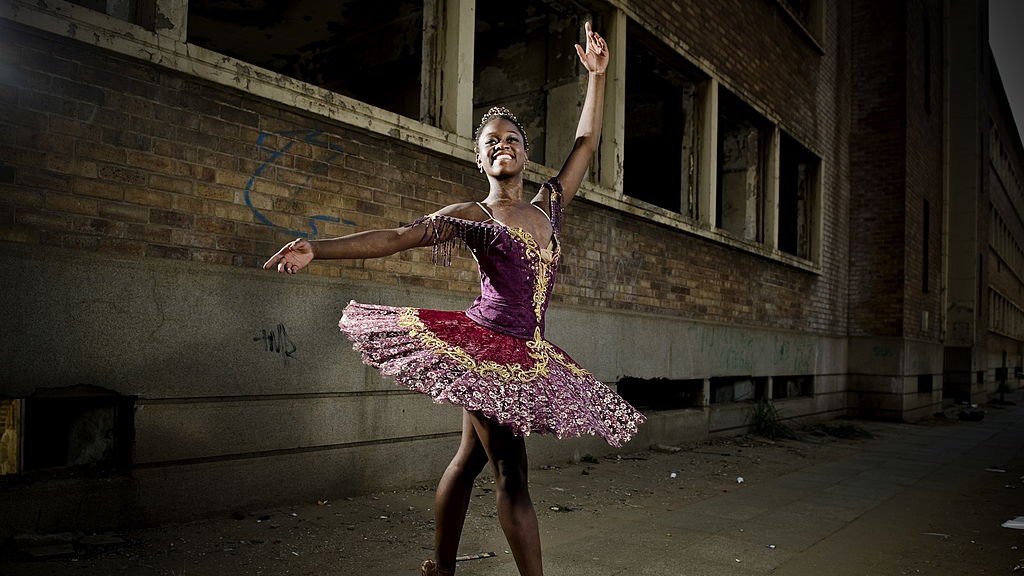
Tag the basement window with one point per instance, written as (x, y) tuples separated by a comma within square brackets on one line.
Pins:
[(792, 386), (743, 137), (726, 390), (368, 50), (661, 150), (798, 197), (79, 429), (647, 394)]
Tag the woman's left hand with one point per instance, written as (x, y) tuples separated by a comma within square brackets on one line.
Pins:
[(595, 55)]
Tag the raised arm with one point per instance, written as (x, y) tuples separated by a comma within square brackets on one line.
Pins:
[(297, 254), (588, 133)]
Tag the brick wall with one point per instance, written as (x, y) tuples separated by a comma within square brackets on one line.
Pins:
[(106, 154), (111, 155), (924, 170), (878, 163)]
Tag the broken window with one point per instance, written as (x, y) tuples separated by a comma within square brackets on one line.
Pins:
[(798, 192), (661, 393), (10, 436), (364, 49), (662, 135), (80, 428), (523, 60), (743, 137), (725, 390), (141, 12), (809, 14), (792, 386)]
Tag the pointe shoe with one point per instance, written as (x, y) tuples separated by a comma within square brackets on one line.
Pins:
[(429, 568)]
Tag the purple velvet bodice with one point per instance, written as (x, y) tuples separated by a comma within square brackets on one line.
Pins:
[(516, 273)]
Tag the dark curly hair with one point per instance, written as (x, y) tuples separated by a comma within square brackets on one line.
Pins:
[(500, 112)]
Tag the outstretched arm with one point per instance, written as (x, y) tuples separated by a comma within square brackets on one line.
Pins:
[(588, 133), (297, 254)]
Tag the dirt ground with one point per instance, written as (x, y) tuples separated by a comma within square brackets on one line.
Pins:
[(391, 532)]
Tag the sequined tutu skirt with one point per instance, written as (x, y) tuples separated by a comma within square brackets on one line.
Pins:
[(531, 386)]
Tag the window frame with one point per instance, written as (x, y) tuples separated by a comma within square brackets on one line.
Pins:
[(449, 89)]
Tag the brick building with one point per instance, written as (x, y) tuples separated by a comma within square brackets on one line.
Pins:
[(795, 201)]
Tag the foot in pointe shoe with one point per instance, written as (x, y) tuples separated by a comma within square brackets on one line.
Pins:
[(429, 568)]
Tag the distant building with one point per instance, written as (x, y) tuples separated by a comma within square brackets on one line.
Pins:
[(808, 202)]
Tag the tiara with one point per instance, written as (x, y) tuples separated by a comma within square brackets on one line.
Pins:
[(501, 112)]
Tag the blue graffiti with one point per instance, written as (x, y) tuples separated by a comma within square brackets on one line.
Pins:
[(310, 137)]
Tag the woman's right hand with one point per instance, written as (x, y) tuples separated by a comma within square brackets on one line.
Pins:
[(294, 256)]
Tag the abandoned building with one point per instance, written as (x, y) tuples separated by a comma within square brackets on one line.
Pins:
[(813, 203)]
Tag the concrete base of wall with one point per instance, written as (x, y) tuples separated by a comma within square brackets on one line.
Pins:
[(246, 396), (895, 378)]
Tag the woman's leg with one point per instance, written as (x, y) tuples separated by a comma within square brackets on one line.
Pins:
[(507, 454), (453, 494)]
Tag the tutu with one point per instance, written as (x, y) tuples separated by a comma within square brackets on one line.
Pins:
[(493, 358), (527, 385)]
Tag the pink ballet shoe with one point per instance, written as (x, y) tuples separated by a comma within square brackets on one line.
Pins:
[(429, 568)]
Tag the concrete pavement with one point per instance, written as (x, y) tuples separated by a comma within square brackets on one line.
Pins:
[(917, 499)]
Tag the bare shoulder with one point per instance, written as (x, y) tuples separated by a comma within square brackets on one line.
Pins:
[(463, 210)]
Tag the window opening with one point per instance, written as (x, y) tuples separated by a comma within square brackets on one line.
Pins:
[(809, 14), (10, 436), (798, 181), (523, 60), (364, 49), (792, 386), (661, 393), (925, 238), (725, 390), (81, 428), (925, 383), (141, 12), (742, 160), (661, 148)]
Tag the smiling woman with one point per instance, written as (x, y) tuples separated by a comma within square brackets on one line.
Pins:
[(492, 359)]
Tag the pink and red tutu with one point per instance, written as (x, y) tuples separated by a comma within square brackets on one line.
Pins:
[(531, 386)]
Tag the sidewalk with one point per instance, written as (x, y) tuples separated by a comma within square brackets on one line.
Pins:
[(916, 499)]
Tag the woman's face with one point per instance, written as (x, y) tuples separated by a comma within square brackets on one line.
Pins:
[(500, 148)]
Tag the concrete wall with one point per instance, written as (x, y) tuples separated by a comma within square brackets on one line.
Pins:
[(222, 422)]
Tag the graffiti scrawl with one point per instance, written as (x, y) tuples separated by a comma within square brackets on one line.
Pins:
[(312, 137)]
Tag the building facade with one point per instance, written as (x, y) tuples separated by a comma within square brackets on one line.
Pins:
[(790, 203)]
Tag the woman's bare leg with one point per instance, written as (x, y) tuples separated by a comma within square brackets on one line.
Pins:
[(453, 493), (507, 454)]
